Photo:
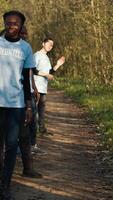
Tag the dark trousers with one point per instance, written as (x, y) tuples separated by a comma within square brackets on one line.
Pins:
[(25, 148), (38, 119), (11, 122), (41, 111), (33, 125)]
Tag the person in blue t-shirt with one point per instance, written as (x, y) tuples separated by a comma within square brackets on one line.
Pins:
[(16, 59), (24, 148)]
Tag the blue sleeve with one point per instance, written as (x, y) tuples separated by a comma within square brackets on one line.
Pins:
[(29, 60)]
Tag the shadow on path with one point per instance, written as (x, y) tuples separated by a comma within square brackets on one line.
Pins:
[(70, 166)]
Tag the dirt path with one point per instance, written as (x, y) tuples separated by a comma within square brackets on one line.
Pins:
[(70, 166)]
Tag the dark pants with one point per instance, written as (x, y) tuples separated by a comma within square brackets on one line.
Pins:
[(33, 125), (41, 111), (38, 119), (25, 148), (11, 121)]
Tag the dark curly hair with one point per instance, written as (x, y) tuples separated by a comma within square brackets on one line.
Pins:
[(15, 12)]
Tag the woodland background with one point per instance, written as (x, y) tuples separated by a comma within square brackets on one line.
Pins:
[(82, 29), (83, 33)]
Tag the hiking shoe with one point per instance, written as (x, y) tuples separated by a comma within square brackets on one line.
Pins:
[(36, 150), (31, 174)]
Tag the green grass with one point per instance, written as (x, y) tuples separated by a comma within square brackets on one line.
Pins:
[(99, 101)]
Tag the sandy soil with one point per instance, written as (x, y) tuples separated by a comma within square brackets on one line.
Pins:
[(70, 167)]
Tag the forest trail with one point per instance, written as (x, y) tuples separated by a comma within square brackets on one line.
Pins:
[(70, 167)]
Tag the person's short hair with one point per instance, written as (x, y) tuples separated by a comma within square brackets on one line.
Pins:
[(47, 38), (15, 12)]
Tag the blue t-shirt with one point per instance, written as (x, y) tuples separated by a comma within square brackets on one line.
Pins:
[(14, 56), (42, 64)]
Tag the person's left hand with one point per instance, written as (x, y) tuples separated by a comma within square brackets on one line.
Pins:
[(28, 116)]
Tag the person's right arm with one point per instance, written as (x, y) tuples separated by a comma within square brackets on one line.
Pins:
[(50, 75), (36, 93), (40, 73)]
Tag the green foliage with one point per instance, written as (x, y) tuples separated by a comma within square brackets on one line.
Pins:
[(83, 33), (4, 6)]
